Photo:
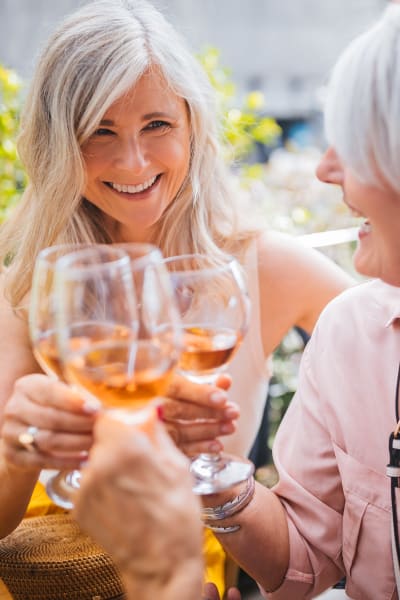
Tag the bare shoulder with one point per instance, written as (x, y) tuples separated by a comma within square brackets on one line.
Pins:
[(296, 282), (16, 356), (280, 252)]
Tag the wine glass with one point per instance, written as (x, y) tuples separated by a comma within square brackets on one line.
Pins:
[(118, 330), (159, 335), (42, 326), (214, 309)]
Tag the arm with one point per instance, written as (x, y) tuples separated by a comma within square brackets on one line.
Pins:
[(261, 545), (136, 500), (304, 512), (34, 400), (16, 360), (295, 284)]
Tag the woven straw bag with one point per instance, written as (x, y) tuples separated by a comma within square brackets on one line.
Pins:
[(50, 558)]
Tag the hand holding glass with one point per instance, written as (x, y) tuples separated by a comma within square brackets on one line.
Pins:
[(214, 309), (116, 338)]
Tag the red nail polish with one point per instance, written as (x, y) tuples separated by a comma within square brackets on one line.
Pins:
[(160, 412)]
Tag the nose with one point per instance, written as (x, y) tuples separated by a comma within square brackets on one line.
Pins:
[(131, 156), (330, 168)]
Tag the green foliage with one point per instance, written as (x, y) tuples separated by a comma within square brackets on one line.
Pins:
[(243, 125), (12, 176)]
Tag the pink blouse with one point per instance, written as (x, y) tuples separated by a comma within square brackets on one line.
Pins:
[(332, 450)]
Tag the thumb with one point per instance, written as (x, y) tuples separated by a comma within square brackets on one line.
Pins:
[(210, 592)]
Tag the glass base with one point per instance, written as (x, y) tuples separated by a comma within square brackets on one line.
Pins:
[(61, 487), (214, 473)]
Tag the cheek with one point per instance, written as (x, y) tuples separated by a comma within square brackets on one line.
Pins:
[(90, 168), (96, 159), (176, 155)]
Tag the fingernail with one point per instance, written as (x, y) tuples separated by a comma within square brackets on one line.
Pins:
[(218, 397), (160, 412), (214, 446), (91, 406), (231, 412), (227, 428)]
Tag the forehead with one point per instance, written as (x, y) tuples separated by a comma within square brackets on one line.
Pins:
[(150, 94)]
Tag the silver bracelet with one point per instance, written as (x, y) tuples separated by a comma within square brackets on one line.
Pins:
[(230, 508), (215, 529)]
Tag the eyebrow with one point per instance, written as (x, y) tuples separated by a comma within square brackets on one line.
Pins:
[(146, 117)]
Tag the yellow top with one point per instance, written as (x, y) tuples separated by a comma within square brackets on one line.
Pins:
[(214, 556)]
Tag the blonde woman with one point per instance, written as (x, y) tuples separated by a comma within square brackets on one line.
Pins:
[(120, 141)]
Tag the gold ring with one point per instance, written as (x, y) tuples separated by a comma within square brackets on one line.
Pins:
[(27, 439)]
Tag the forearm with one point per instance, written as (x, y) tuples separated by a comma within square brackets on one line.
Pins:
[(16, 486), (184, 581), (261, 545)]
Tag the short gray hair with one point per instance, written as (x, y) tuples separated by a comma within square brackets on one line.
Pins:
[(362, 114)]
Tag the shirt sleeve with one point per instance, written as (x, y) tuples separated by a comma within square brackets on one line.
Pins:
[(309, 486)]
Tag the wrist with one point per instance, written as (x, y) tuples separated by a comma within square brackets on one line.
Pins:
[(215, 517)]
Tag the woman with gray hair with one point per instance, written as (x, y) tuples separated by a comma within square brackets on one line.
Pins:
[(120, 141), (334, 511)]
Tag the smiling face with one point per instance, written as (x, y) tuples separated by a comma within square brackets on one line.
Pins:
[(378, 249), (137, 159)]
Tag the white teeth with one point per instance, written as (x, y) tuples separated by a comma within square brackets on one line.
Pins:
[(133, 189), (366, 227)]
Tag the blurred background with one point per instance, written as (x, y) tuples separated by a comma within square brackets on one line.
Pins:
[(268, 61), (281, 47)]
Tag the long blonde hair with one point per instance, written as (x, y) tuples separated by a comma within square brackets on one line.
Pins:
[(93, 58)]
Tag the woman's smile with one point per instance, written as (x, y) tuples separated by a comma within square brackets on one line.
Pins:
[(132, 191), (378, 250), (138, 158)]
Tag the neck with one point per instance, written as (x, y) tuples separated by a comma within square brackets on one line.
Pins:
[(124, 235)]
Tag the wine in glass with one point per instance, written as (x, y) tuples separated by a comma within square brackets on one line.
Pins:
[(118, 330), (214, 309), (42, 328)]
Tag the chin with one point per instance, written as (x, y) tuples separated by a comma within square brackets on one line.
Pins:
[(391, 278), (363, 267)]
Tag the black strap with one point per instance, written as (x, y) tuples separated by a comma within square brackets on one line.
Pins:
[(393, 471)]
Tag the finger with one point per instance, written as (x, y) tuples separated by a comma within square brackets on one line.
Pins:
[(45, 391), (210, 592), (194, 449), (61, 444), (197, 432), (46, 444), (20, 409), (181, 410), (207, 394), (224, 381), (233, 594), (20, 457)]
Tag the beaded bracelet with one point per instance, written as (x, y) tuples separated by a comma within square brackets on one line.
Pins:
[(228, 509)]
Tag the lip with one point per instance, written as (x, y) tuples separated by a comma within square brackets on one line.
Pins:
[(137, 195), (364, 230)]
